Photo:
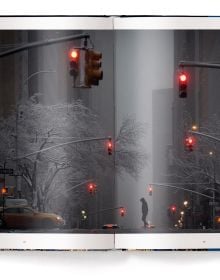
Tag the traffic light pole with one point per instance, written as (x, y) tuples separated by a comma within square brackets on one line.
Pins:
[(44, 43), (205, 135), (199, 64), (62, 144), (74, 187), (181, 188)]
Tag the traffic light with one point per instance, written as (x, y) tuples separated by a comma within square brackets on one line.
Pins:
[(91, 188), (83, 215), (183, 81), (93, 72), (4, 190), (150, 190), (74, 58), (109, 146), (190, 143), (122, 211), (172, 209)]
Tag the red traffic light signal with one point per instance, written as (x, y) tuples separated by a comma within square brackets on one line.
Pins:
[(4, 190), (109, 146), (150, 190), (93, 72), (74, 57), (190, 143), (172, 209), (91, 188), (122, 211), (183, 82)]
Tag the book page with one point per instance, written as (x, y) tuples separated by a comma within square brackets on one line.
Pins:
[(167, 94), (57, 174)]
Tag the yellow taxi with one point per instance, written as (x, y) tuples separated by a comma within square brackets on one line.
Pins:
[(27, 218)]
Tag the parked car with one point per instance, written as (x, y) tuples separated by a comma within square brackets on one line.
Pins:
[(27, 218)]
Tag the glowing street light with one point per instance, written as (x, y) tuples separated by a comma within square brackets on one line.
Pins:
[(194, 127), (185, 203)]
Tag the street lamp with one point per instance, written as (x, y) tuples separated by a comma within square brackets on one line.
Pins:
[(194, 127), (185, 203)]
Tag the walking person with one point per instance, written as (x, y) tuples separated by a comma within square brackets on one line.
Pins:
[(144, 209)]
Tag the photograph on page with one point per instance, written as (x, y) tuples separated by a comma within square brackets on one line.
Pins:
[(109, 130)]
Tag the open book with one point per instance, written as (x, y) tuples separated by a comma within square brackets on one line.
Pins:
[(110, 133)]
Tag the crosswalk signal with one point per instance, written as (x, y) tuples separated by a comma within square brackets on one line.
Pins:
[(93, 72), (183, 81)]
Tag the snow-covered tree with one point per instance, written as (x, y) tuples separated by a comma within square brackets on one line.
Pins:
[(48, 145)]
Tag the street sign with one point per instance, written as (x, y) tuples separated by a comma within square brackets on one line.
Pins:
[(212, 203), (7, 171)]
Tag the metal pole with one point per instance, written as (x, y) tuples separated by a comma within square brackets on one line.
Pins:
[(180, 188), (199, 64), (60, 145), (44, 43), (205, 135)]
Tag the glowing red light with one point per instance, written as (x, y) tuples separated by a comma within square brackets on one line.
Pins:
[(4, 190), (190, 141), (109, 144), (182, 77), (173, 208), (74, 54), (122, 212), (91, 188)]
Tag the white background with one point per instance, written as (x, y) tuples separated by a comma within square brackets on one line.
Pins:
[(109, 265)]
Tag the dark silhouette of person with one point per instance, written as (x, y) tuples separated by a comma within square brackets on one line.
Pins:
[(144, 209)]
